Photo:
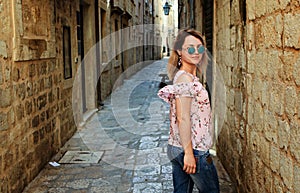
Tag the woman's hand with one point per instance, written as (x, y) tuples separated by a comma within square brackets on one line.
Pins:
[(189, 164)]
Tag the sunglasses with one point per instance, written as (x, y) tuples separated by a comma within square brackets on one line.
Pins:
[(191, 50)]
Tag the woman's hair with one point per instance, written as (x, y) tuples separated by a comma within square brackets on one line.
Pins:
[(172, 67)]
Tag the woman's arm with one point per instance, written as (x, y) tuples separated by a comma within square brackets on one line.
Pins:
[(183, 108)]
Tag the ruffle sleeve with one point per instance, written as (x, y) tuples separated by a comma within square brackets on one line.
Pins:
[(185, 89)]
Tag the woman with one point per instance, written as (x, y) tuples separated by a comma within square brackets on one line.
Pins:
[(191, 132)]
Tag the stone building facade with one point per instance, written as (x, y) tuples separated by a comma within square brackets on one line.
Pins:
[(42, 44), (35, 109), (256, 47)]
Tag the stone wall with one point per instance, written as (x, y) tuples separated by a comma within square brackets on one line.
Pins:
[(36, 114), (35, 99), (258, 53)]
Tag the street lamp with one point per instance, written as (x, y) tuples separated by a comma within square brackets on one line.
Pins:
[(166, 8)]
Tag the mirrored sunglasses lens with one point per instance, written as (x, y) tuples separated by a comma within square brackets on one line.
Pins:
[(191, 50), (201, 50)]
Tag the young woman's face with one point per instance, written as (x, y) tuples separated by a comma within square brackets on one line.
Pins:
[(192, 50)]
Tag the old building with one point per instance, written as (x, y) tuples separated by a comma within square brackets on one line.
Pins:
[(255, 44), (36, 70), (43, 49)]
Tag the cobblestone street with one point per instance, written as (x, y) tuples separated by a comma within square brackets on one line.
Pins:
[(122, 148)]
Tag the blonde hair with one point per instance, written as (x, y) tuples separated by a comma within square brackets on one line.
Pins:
[(172, 67)]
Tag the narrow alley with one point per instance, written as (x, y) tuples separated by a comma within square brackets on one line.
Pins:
[(79, 111), (127, 138)]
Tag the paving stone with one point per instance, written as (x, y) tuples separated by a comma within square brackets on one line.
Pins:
[(148, 188), (81, 157)]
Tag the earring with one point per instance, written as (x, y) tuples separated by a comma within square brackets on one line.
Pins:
[(179, 62)]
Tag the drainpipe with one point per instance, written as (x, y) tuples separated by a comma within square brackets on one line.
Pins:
[(143, 22), (153, 30), (192, 12), (122, 53), (98, 65)]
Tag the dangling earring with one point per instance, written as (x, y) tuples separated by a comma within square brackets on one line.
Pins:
[(179, 62)]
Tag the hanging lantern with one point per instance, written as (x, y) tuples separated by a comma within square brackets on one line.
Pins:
[(166, 8)]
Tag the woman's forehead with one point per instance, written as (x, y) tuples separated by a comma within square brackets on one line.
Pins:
[(191, 40)]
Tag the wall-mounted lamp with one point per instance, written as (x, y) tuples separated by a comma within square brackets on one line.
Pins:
[(166, 8)]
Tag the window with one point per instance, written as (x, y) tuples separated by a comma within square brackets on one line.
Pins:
[(67, 52)]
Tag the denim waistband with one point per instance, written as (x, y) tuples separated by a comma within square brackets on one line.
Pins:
[(196, 152)]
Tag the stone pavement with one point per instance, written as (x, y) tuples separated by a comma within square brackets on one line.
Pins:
[(122, 148)]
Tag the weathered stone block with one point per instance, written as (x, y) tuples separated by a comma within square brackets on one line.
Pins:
[(238, 102), (294, 143), (230, 98), (296, 178), (48, 82), (3, 49), (29, 89), (291, 33), (260, 8), (42, 101), (1, 168), (265, 94), (19, 110), (261, 64), (274, 158), (41, 85), (284, 3), (250, 37), (35, 121), (3, 122), (278, 185), (16, 173), (272, 6), (7, 73), (251, 9), (15, 74), (35, 136), (250, 111), (31, 70), (51, 66), (21, 91), (11, 116), (274, 64), (296, 71), (43, 117), (269, 30), (287, 70), (277, 99), (283, 134), (8, 159), (258, 117), (48, 127), (265, 151), (1, 74), (42, 68), (286, 170), (42, 133), (5, 97), (254, 141), (28, 107), (298, 112), (268, 179), (291, 101), (271, 126), (23, 147)]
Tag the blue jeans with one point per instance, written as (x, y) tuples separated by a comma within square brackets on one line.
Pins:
[(205, 178)]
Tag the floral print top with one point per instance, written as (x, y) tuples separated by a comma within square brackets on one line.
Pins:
[(201, 128)]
